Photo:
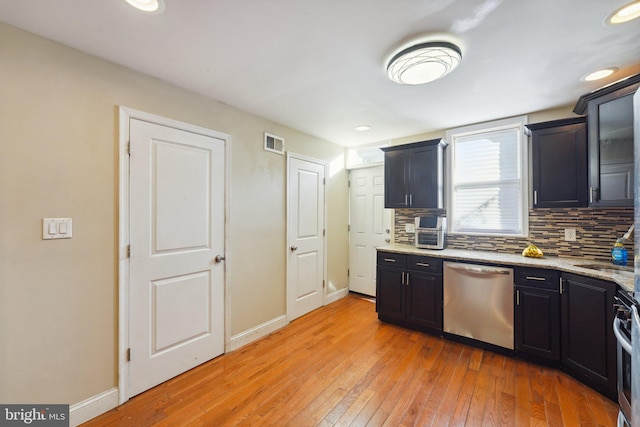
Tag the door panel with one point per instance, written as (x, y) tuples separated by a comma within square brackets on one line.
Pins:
[(176, 290), (305, 217), (180, 310), (308, 198), (180, 220)]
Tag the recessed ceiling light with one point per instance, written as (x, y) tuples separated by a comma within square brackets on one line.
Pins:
[(600, 74), (626, 13), (362, 128), (424, 62), (152, 6)]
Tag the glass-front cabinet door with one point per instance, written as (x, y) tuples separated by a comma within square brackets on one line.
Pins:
[(614, 179), (610, 135)]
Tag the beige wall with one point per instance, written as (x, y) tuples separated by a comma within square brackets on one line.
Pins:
[(535, 117), (59, 158)]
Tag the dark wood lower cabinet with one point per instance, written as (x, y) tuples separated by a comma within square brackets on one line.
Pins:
[(409, 291), (537, 314), (390, 293), (588, 343), (537, 324), (424, 300)]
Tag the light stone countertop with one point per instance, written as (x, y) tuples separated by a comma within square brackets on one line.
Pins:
[(569, 265)]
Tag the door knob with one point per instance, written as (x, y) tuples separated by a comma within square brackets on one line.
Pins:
[(388, 240), (219, 258), (294, 248)]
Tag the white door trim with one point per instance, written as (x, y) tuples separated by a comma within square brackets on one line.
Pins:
[(125, 114), (324, 225)]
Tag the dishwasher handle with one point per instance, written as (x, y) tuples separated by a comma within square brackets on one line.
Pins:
[(481, 270)]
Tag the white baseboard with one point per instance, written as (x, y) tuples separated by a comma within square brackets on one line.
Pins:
[(93, 406), (250, 335), (335, 296)]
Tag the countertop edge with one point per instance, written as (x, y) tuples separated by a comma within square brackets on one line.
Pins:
[(567, 265)]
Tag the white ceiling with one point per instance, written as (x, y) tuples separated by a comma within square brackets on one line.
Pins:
[(319, 66)]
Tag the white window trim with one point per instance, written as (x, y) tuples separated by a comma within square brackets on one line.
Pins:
[(509, 123)]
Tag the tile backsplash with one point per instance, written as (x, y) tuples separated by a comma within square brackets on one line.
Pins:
[(596, 232)]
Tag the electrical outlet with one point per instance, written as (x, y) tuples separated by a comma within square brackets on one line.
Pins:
[(570, 234), (410, 228)]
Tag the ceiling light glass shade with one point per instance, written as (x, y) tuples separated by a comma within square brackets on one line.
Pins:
[(626, 13), (424, 63), (147, 5), (600, 74)]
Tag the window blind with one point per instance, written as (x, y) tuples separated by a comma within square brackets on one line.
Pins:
[(487, 182)]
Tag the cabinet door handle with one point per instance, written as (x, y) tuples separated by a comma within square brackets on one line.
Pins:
[(407, 279), (422, 264), (517, 296), (403, 277), (410, 199), (540, 279), (561, 286), (389, 260), (406, 200), (535, 197)]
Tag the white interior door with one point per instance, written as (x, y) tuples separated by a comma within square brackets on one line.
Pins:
[(176, 287), (370, 226), (306, 246)]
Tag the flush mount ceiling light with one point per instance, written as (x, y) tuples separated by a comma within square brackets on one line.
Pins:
[(423, 63), (600, 74), (626, 13), (151, 6), (362, 128)]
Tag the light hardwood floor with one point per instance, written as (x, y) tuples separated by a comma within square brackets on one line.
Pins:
[(340, 366)]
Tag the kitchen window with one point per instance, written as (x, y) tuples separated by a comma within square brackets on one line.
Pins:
[(487, 189)]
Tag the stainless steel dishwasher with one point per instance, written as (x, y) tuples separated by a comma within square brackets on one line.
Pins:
[(478, 302)]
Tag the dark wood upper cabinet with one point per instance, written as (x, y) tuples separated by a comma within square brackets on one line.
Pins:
[(610, 135), (414, 175), (559, 163)]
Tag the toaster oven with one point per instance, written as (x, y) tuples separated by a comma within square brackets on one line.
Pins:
[(431, 232)]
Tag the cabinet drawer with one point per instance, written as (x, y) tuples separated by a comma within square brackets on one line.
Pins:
[(424, 263), (392, 259), (548, 279)]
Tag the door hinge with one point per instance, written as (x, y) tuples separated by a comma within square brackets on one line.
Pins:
[(129, 354), (348, 272), (323, 284), (349, 227), (324, 232), (129, 148), (349, 183), (128, 251), (324, 181)]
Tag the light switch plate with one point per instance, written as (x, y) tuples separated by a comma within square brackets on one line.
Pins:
[(410, 228), (56, 228)]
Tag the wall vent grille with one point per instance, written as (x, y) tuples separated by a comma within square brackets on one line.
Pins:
[(273, 143)]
